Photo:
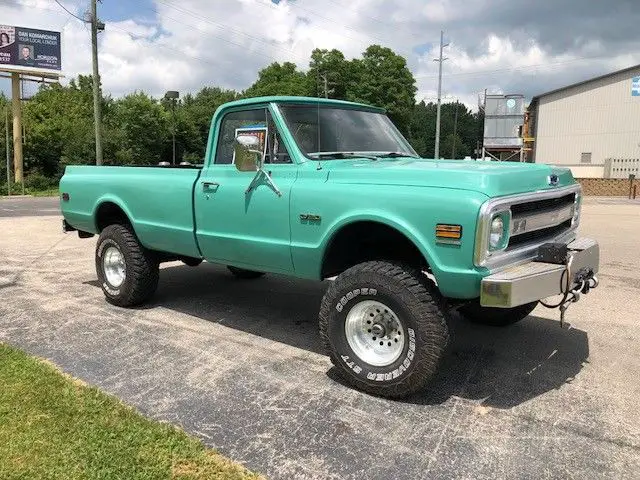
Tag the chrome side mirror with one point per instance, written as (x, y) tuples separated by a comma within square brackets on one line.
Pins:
[(248, 157)]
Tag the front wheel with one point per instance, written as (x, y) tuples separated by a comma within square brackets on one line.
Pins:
[(383, 329), (127, 272), (496, 317)]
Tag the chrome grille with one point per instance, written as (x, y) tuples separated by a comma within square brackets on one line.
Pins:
[(534, 218), (541, 220), (543, 204)]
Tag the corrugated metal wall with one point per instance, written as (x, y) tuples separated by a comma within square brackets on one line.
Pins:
[(600, 117)]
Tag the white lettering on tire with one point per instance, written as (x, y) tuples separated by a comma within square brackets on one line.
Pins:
[(352, 365), (109, 290), (353, 294), (382, 377)]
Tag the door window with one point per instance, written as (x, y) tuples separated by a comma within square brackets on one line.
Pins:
[(231, 123), (259, 120)]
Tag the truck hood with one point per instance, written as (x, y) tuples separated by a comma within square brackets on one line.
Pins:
[(493, 179)]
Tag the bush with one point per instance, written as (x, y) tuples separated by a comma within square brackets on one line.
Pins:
[(38, 182), (16, 188)]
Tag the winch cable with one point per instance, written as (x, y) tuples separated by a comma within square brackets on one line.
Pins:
[(570, 295), (565, 287)]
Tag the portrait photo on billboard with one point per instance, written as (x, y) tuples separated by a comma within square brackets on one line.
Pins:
[(7, 44), (26, 55), (7, 35)]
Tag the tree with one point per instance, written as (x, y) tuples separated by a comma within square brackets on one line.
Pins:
[(144, 131), (453, 147), (280, 79), (4, 105), (58, 124), (137, 128), (468, 128), (382, 78), (194, 118), (332, 65), (422, 129)]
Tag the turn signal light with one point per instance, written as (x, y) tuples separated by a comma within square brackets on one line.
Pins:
[(453, 232)]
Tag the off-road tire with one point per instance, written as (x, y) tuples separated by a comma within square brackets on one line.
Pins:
[(244, 274), (141, 267), (496, 317), (418, 310)]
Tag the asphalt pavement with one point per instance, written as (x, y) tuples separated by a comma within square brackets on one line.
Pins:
[(239, 364), (29, 206)]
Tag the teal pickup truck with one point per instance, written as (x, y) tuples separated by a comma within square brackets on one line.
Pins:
[(323, 189)]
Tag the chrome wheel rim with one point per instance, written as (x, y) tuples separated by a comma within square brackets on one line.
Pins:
[(114, 266), (374, 333)]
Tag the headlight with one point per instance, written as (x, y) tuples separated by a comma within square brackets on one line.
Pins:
[(576, 209), (496, 233), (499, 230)]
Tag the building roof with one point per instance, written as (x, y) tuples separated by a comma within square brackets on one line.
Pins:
[(601, 77)]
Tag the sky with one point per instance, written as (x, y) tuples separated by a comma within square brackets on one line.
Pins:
[(504, 46)]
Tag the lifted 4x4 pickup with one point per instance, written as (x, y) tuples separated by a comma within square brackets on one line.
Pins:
[(321, 189)]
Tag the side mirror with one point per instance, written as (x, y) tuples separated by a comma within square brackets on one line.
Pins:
[(248, 157)]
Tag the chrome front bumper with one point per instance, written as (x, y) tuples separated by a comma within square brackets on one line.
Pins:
[(535, 280)]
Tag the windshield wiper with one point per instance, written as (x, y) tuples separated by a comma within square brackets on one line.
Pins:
[(395, 155), (339, 155)]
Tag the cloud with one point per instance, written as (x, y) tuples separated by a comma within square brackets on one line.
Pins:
[(499, 45)]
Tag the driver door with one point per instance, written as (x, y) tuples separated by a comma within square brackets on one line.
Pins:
[(250, 230)]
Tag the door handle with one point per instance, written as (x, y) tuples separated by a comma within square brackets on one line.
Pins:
[(210, 186)]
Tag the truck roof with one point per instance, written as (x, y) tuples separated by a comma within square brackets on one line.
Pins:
[(291, 99)]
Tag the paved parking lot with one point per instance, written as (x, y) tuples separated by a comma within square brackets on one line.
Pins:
[(29, 206), (239, 365)]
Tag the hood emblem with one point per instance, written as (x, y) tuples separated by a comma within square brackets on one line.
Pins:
[(553, 180)]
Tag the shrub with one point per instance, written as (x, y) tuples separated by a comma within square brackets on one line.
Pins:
[(38, 182)]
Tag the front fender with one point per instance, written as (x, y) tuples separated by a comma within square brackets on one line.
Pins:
[(400, 224), (412, 211)]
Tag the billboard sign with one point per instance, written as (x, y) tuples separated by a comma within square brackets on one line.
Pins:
[(29, 48)]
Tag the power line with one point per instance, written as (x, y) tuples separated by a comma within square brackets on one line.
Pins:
[(382, 22), (225, 27), (163, 46), (508, 69), (296, 5), (69, 12)]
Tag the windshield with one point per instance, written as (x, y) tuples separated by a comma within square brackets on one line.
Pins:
[(327, 131)]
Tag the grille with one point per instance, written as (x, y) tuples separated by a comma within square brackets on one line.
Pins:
[(538, 236), (545, 204)]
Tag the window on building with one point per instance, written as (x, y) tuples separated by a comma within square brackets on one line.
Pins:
[(585, 157)]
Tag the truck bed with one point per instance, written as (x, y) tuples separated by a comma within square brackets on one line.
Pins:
[(143, 193)]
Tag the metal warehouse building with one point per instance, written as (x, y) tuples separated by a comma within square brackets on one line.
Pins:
[(593, 127)]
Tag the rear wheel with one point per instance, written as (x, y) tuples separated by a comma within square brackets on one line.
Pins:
[(383, 329), (244, 274), (127, 272), (496, 317)]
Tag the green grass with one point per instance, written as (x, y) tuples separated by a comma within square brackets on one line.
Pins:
[(53, 426), (17, 190), (51, 192)]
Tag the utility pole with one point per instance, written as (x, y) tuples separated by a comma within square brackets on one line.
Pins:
[(97, 104), (455, 131), (439, 60), (326, 91), (173, 97), (6, 128), (16, 107)]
